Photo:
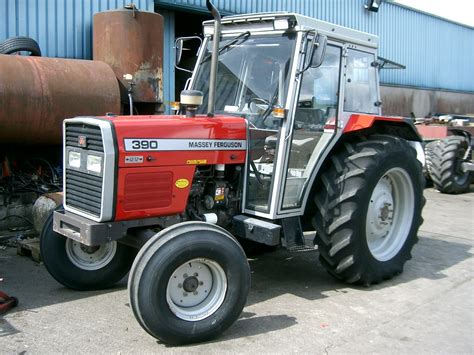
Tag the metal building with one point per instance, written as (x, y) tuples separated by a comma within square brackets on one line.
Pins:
[(437, 53)]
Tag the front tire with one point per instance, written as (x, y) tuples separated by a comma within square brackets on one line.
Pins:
[(83, 268), (189, 283), (369, 209), (445, 171)]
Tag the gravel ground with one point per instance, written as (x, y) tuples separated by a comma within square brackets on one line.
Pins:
[(293, 306)]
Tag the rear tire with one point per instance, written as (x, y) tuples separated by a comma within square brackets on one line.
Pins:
[(189, 283), (446, 170), (369, 209), (83, 268)]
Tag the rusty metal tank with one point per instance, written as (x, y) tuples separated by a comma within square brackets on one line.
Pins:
[(37, 94), (131, 42)]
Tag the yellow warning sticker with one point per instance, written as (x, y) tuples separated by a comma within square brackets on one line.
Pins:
[(196, 161), (182, 183)]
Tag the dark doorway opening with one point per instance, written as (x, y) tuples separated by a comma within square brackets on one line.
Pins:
[(187, 24)]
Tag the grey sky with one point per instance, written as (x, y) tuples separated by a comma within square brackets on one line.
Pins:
[(459, 10)]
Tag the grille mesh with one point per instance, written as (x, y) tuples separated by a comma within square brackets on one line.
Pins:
[(84, 191)]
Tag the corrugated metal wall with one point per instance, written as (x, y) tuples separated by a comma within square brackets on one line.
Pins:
[(63, 28), (437, 53)]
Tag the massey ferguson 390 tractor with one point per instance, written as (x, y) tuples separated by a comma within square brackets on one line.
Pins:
[(280, 133)]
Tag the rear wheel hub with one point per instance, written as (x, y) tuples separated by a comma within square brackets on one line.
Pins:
[(389, 214)]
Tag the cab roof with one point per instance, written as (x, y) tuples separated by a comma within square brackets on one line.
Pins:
[(259, 22)]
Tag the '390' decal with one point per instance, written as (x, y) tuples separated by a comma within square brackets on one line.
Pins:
[(141, 144)]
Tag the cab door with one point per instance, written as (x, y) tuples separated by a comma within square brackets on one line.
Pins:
[(314, 124)]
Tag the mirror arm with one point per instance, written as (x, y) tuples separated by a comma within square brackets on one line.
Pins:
[(182, 39), (309, 55)]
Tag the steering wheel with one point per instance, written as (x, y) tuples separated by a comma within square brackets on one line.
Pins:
[(254, 101)]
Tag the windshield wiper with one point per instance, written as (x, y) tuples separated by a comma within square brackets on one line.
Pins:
[(273, 100), (228, 44)]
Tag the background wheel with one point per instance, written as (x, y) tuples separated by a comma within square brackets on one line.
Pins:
[(20, 44), (429, 160), (189, 283), (446, 171), (369, 209), (80, 267)]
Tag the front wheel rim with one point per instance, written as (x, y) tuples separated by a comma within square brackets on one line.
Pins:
[(390, 214), (196, 289), (90, 258)]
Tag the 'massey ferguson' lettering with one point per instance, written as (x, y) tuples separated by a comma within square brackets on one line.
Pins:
[(216, 144), (143, 144), (200, 144), (227, 144)]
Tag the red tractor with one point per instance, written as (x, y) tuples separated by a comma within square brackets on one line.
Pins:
[(281, 133)]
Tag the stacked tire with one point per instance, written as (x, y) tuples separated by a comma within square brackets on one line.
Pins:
[(20, 44)]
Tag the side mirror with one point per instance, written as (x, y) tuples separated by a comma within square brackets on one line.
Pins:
[(319, 51), (179, 47)]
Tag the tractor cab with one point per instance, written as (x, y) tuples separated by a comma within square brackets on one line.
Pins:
[(295, 80)]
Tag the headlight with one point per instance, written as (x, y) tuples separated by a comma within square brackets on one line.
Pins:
[(94, 163), (74, 159)]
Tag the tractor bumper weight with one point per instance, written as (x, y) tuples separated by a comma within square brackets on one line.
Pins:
[(90, 233)]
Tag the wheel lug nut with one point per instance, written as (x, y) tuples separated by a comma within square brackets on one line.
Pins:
[(180, 285), (201, 283), (196, 274), (185, 276), (185, 294), (195, 293)]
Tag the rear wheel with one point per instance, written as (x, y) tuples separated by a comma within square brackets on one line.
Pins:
[(369, 209), (446, 168), (82, 267), (189, 283)]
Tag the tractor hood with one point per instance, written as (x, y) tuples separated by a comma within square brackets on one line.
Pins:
[(179, 140)]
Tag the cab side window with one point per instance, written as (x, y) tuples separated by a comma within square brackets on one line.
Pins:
[(361, 83), (319, 91)]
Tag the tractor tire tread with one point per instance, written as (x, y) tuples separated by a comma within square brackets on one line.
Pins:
[(335, 236)]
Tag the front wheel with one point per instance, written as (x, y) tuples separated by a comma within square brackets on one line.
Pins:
[(189, 283), (81, 267), (369, 209)]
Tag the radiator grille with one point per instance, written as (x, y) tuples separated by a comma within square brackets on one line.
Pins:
[(91, 133), (84, 191)]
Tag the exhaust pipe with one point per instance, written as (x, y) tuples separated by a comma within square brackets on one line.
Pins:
[(211, 103)]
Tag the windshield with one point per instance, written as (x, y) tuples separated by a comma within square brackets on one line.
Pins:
[(252, 76)]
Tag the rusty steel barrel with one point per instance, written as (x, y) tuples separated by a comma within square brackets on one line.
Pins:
[(37, 94), (131, 42)]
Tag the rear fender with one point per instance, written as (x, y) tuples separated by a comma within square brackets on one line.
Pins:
[(396, 126), (364, 125)]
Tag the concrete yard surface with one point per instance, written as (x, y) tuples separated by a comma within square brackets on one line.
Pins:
[(293, 306)]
